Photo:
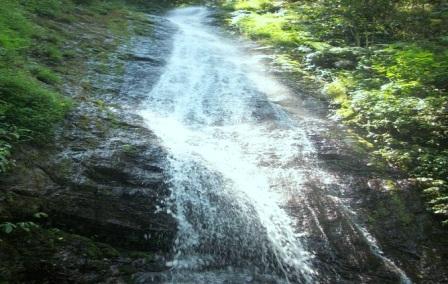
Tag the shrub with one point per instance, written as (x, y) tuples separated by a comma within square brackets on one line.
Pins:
[(336, 90), (414, 64)]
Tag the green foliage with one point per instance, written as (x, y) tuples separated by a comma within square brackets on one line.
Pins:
[(355, 22), (336, 90), (276, 29), (414, 64), (29, 107), (270, 27), (8, 135), (40, 215), (253, 5), (9, 227), (404, 113), (45, 75), (436, 193), (47, 8), (395, 95), (15, 28)]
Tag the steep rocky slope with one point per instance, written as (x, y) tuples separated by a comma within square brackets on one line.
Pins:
[(84, 208)]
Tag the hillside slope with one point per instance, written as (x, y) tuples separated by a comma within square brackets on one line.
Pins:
[(81, 176)]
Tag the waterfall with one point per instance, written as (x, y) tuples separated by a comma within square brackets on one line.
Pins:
[(236, 158)]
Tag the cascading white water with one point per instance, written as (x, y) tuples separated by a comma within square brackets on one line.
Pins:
[(235, 157)]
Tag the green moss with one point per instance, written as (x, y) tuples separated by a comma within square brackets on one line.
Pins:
[(48, 8), (139, 254), (401, 209), (100, 104), (30, 107), (129, 149), (51, 54), (393, 207), (45, 75)]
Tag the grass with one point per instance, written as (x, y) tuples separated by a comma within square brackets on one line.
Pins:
[(45, 75), (30, 107)]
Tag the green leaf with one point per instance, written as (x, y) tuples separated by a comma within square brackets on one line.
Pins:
[(40, 215), (7, 227)]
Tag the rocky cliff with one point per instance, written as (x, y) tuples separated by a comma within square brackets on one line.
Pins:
[(88, 207)]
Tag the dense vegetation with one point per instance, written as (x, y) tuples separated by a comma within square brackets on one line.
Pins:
[(383, 64)]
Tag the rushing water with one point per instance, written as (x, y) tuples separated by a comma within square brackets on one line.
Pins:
[(239, 155)]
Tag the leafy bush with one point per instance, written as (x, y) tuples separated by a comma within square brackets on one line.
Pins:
[(336, 90), (437, 194), (410, 132), (9, 227), (414, 64), (273, 29)]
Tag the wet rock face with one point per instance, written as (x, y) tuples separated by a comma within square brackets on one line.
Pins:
[(104, 175), (388, 204), (114, 188), (145, 62), (397, 215)]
